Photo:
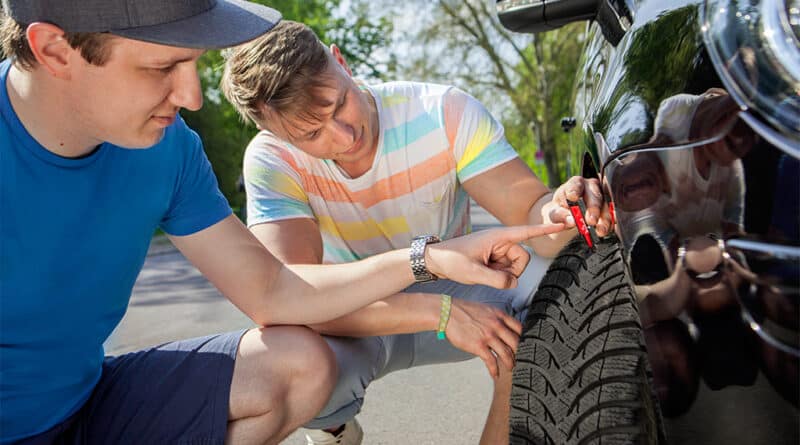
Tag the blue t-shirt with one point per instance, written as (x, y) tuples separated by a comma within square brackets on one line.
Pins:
[(74, 234)]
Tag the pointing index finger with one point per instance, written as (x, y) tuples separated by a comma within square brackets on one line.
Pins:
[(522, 233)]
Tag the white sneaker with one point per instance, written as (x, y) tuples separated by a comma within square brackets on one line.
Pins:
[(350, 435)]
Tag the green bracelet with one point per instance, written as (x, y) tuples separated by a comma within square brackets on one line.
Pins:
[(444, 317)]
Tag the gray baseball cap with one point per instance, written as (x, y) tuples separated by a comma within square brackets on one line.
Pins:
[(185, 23)]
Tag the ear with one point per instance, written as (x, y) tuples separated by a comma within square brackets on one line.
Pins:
[(337, 55), (50, 47)]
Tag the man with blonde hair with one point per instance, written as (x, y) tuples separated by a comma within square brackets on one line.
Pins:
[(95, 157), (343, 171)]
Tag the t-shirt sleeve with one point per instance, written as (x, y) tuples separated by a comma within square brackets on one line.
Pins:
[(273, 185), (197, 202), (477, 139)]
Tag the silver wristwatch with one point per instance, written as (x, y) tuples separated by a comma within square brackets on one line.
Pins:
[(417, 256)]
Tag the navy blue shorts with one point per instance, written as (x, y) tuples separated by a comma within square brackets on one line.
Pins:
[(176, 393)]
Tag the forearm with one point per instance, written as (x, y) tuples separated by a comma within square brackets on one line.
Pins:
[(663, 300), (547, 246), (402, 313), (271, 292), (310, 294)]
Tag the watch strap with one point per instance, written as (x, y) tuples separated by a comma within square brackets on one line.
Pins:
[(417, 258)]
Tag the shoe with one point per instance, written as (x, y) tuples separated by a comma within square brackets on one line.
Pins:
[(350, 435)]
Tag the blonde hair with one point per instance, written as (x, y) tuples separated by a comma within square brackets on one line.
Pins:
[(283, 69), (94, 46)]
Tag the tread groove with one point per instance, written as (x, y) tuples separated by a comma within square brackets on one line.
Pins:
[(605, 329)]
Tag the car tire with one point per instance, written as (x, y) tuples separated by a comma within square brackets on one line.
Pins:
[(582, 375)]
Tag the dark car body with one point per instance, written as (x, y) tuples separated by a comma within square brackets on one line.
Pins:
[(704, 184)]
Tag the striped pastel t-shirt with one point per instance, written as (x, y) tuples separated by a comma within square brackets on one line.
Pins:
[(432, 139)]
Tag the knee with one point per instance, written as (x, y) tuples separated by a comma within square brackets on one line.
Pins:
[(313, 362), (283, 375), (308, 367)]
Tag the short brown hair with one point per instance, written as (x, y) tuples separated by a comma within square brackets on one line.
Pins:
[(281, 69), (94, 46)]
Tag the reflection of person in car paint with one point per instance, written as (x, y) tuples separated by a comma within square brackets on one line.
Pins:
[(700, 192), (695, 284), (707, 184), (703, 193), (639, 180), (721, 350), (708, 189)]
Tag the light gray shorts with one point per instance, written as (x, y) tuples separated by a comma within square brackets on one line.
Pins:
[(363, 360)]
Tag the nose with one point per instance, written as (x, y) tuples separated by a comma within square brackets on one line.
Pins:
[(344, 133), (186, 91)]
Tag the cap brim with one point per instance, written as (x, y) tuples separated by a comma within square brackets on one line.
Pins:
[(228, 23)]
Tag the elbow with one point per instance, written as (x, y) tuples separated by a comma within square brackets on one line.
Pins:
[(266, 318), (266, 315), (263, 319)]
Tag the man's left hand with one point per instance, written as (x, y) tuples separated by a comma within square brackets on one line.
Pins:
[(485, 331)]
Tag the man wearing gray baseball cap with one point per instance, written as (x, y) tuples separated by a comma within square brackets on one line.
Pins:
[(93, 158)]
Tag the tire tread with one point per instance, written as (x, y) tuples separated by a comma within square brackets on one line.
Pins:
[(582, 375)]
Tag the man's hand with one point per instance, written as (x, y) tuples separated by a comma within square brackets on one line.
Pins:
[(486, 332), (489, 257), (597, 214), (718, 115)]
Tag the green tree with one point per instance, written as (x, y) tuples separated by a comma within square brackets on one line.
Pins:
[(224, 134), (526, 79)]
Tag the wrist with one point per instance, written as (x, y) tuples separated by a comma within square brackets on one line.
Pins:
[(419, 256), (421, 311), (444, 316), (542, 208), (430, 306)]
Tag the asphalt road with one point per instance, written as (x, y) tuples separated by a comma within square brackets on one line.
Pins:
[(441, 404)]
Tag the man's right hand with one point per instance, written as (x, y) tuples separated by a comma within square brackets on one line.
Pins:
[(486, 332), (575, 188), (491, 257)]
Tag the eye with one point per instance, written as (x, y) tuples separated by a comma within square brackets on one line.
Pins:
[(163, 70), (313, 135)]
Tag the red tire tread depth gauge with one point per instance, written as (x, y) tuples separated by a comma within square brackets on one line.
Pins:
[(578, 209)]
